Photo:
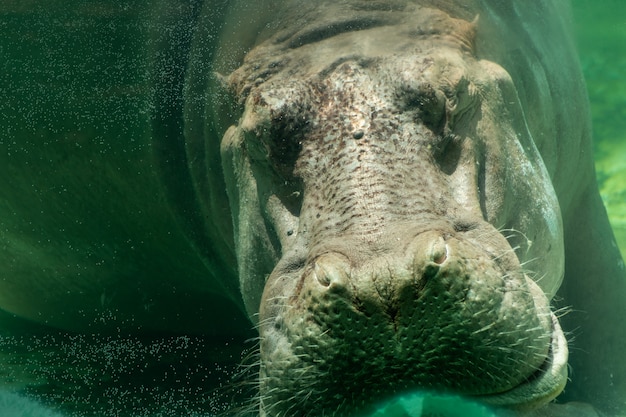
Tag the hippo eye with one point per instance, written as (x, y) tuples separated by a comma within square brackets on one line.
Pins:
[(273, 142), (280, 122), (430, 105), (460, 101), (284, 140), (447, 152)]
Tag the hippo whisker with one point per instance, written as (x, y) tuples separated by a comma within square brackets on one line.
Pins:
[(251, 367), (533, 275), (562, 311), (506, 252), (528, 261), (514, 232), (480, 313), (263, 322), (273, 404), (509, 275), (484, 329), (249, 410), (277, 297), (246, 380), (296, 404)]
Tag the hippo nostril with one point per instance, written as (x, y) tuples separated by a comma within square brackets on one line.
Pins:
[(321, 275), (430, 254), (441, 257), (439, 252), (330, 270)]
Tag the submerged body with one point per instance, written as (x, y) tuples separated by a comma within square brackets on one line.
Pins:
[(403, 188)]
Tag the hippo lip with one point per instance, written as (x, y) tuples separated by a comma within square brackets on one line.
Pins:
[(542, 386)]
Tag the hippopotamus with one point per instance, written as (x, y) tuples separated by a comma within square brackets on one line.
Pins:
[(398, 194)]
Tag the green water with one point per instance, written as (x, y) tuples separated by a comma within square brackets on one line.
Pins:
[(77, 73), (427, 405), (81, 73), (601, 34)]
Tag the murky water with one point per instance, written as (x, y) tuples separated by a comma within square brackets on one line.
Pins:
[(601, 31), (78, 72)]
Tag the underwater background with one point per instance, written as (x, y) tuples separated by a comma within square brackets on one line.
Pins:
[(99, 90), (601, 36)]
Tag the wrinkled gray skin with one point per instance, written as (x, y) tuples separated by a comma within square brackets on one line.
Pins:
[(405, 190)]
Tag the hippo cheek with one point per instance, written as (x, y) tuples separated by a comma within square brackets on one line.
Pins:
[(446, 316)]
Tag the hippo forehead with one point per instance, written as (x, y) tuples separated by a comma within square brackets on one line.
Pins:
[(428, 87), (384, 78), (425, 84), (316, 48)]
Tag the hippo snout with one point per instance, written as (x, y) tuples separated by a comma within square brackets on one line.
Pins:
[(333, 272), (447, 312)]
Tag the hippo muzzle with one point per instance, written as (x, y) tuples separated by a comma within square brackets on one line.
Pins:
[(446, 316), (379, 188)]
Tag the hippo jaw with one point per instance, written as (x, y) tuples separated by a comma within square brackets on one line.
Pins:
[(545, 385), (366, 184)]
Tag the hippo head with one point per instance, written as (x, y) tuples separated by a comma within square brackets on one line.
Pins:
[(396, 228)]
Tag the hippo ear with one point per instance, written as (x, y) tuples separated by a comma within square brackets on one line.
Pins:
[(467, 33), (464, 33)]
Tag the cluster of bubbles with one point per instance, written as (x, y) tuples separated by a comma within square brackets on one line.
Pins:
[(57, 374)]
